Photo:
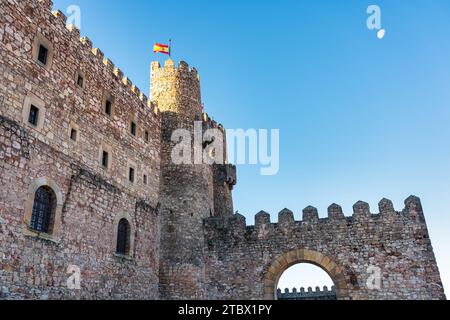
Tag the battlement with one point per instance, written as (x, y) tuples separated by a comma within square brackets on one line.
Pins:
[(177, 89), (308, 290), (361, 211), (209, 123), (362, 214), (394, 243), (103, 64), (308, 294), (182, 69), (71, 90)]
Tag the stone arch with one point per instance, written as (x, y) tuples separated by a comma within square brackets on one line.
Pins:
[(291, 258), (34, 186), (117, 219)]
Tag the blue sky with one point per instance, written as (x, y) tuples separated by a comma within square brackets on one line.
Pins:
[(359, 118)]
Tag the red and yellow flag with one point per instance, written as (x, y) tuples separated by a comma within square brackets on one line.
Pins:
[(161, 48)]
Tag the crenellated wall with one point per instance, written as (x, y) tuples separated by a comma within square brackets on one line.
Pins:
[(348, 248), (65, 105), (307, 294)]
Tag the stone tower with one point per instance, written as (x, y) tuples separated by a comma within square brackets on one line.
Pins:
[(187, 193)]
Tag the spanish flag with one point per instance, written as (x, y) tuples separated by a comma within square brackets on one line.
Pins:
[(162, 48)]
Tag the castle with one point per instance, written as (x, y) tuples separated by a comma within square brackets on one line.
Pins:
[(88, 189)]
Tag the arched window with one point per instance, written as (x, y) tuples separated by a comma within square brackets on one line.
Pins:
[(124, 234), (43, 213), (123, 237), (43, 210)]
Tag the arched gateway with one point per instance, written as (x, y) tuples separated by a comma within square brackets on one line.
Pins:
[(303, 256), (361, 253)]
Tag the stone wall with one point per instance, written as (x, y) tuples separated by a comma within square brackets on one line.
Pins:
[(65, 105), (90, 198), (33, 267), (247, 262)]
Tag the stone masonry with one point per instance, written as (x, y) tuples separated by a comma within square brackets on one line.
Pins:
[(104, 151), (307, 294)]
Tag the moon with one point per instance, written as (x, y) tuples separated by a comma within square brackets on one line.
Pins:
[(381, 33)]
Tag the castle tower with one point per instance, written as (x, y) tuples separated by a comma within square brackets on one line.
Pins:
[(186, 190)]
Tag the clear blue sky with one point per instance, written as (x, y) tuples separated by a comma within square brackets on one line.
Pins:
[(360, 118)]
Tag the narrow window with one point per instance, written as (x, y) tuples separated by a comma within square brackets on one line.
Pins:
[(123, 238), (145, 179), (80, 81), (73, 134), (133, 128), (131, 175), (105, 159), (33, 116), (43, 54), (44, 208), (108, 107), (146, 136)]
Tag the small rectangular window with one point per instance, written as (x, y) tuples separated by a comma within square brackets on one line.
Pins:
[(43, 54), (145, 179), (133, 128), (80, 81), (105, 159), (146, 136), (73, 134), (108, 107), (33, 117), (131, 175)]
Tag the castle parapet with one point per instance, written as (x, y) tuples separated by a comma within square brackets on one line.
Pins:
[(87, 42), (169, 67), (287, 224), (413, 208), (361, 210), (308, 294), (74, 31), (310, 214), (286, 217), (82, 45), (59, 17), (335, 212), (177, 90)]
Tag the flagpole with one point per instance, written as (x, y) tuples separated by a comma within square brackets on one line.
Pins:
[(170, 48)]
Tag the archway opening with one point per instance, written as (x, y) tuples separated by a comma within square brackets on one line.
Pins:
[(306, 281), (282, 263)]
